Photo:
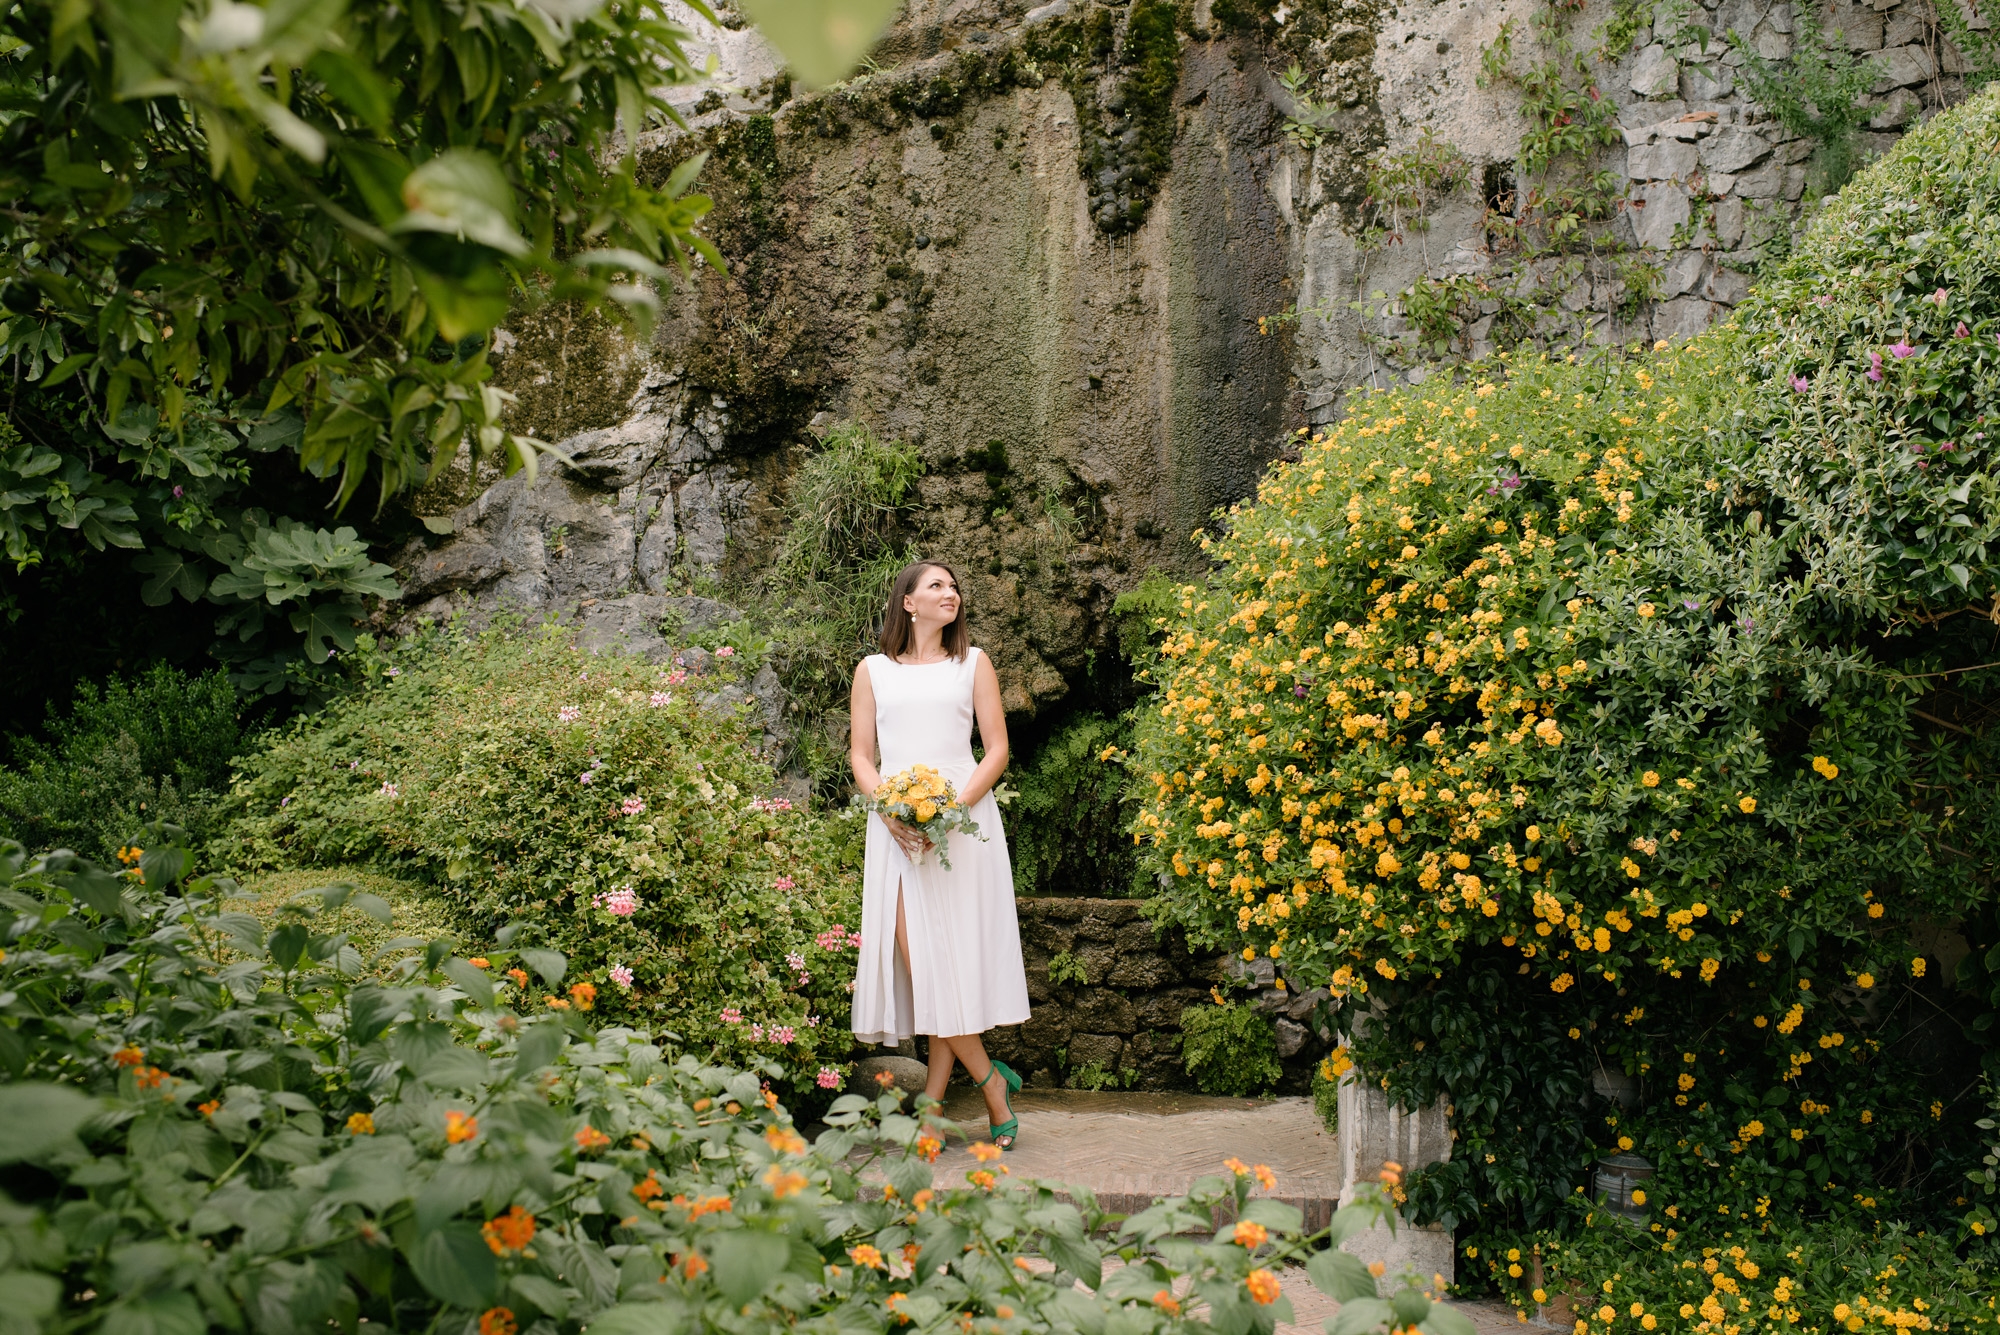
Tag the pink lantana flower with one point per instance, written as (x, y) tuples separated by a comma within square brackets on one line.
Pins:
[(784, 883), (633, 806), (620, 903), (621, 976), (829, 1078), (731, 1015)]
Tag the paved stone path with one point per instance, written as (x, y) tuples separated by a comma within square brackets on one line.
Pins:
[(1131, 1148)]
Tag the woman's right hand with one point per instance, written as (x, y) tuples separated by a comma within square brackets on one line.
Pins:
[(912, 842)]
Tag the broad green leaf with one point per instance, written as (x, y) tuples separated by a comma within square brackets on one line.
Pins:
[(457, 1266), (745, 1262), (463, 193), (1340, 1275), (539, 1044), (1274, 1215), (1444, 1320), (1360, 1316), (37, 1118), (170, 571), (374, 1172), (550, 964), (473, 981), (549, 1297), (822, 40)]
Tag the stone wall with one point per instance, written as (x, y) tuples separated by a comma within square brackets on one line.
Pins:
[(1123, 1017), (919, 248)]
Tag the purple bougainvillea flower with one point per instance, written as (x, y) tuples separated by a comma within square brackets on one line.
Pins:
[(1874, 366), (1691, 604), (1947, 447), (1923, 463), (1899, 350), (1939, 296), (1800, 384), (1961, 331), (1824, 299)]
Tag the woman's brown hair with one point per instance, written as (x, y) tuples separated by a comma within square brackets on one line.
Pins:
[(899, 632)]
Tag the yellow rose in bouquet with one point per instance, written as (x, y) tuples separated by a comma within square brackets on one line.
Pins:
[(922, 798)]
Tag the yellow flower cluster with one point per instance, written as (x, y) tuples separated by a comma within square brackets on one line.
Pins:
[(922, 789), (1354, 716)]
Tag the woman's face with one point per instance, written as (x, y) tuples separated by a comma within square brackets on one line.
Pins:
[(935, 599)]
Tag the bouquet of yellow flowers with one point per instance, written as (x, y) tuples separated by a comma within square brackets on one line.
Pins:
[(923, 799)]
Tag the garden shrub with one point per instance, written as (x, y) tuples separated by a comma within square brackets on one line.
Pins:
[(1230, 1049), (822, 599), (1065, 824), (241, 1133), (1619, 723), (1817, 1278), (598, 805), (273, 896), (156, 747)]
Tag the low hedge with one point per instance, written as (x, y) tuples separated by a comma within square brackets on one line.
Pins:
[(596, 805)]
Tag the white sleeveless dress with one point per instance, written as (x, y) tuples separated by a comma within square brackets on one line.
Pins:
[(966, 974)]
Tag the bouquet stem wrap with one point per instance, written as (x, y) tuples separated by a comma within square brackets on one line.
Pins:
[(925, 800)]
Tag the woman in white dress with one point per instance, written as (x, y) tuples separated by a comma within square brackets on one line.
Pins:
[(941, 950)]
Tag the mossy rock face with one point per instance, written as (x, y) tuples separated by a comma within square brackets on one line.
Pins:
[(920, 250)]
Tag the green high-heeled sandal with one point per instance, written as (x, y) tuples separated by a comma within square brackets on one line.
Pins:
[(1007, 1132)]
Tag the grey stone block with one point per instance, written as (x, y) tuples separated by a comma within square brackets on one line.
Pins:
[(1103, 1011), (1898, 109), (1708, 82), (1162, 1010), (1104, 1049), (1771, 42), (1726, 286), (1046, 1028), (1669, 161), (1142, 970), (1904, 66), (1732, 149), (1302, 1006), (1765, 182), (1657, 211), (1861, 28), (1906, 25), (905, 1073), (1681, 272), (1655, 74), (1681, 318), (1727, 221), (1291, 1037)]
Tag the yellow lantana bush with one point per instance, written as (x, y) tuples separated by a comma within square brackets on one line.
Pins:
[(1610, 736)]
